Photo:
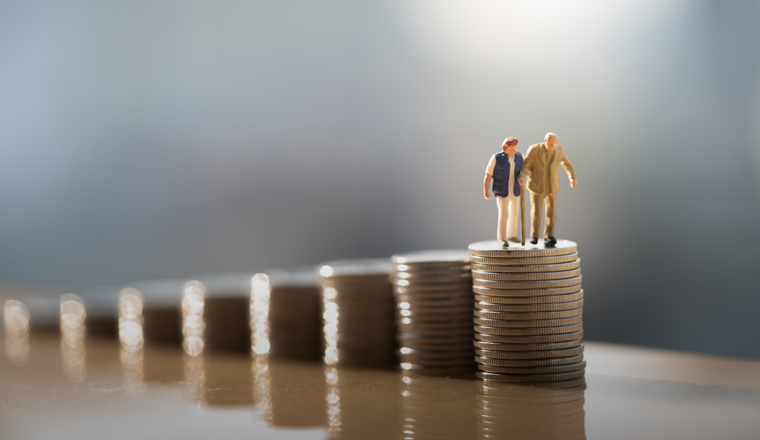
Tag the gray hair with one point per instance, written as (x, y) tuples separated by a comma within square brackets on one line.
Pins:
[(550, 135)]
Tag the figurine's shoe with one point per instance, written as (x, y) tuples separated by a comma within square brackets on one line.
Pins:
[(534, 240), (504, 244), (550, 242)]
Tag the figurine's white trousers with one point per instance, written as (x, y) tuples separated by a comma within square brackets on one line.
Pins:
[(509, 207)]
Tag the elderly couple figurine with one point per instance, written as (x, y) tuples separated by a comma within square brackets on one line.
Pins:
[(509, 169)]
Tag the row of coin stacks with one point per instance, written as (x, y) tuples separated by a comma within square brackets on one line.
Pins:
[(433, 291), (528, 312), (416, 308)]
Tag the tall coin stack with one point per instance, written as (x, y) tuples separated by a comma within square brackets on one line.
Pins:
[(433, 291), (528, 312), (358, 313)]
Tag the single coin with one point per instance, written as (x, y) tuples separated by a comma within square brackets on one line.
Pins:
[(491, 307), (530, 300), (520, 316), (539, 354), (530, 331), (528, 276), (493, 248), (528, 362), (496, 292), (449, 360), (550, 284), (432, 257), (432, 283), (407, 302), (432, 290), (552, 369), (355, 268), (495, 261), (540, 339), (528, 268), (496, 377), (500, 346), (431, 277), (420, 345), (436, 354), (543, 323)]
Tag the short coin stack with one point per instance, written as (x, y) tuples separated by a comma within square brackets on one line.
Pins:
[(225, 312), (295, 318), (433, 291), (358, 313), (528, 312)]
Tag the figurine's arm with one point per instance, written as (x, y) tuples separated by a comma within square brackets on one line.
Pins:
[(525, 171), (489, 175), (486, 186), (569, 168)]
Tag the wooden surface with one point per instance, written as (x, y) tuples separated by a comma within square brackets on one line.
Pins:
[(632, 393)]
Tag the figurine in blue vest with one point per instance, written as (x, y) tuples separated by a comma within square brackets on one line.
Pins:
[(504, 168)]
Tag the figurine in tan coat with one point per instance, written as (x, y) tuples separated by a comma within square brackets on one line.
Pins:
[(541, 166)]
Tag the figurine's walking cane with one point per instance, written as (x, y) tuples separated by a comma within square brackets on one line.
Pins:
[(522, 214)]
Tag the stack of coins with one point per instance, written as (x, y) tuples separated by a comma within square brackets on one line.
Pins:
[(102, 305), (433, 291), (528, 312), (359, 328), (226, 312), (513, 411), (295, 319), (161, 312)]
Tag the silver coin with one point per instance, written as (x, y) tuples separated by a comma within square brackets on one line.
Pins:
[(499, 346), (495, 261), (551, 284), (432, 257), (530, 300), (493, 248), (528, 331), (528, 276), (521, 316), (538, 354), (491, 307), (550, 369), (495, 291), (518, 324), (528, 362), (540, 339), (528, 268)]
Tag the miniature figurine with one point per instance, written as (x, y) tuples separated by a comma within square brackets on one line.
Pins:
[(541, 166), (505, 167)]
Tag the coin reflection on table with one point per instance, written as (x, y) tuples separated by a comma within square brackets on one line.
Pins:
[(437, 407), (274, 397), (73, 337), (353, 412), (16, 318), (507, 410)]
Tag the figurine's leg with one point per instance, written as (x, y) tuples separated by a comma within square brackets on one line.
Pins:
[(550, 216), (514, 209), (536, 200), (501, 231)]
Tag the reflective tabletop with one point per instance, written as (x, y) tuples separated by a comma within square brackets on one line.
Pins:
[(49, 389)]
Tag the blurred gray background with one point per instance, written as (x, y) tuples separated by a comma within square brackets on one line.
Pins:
[(160, 139)]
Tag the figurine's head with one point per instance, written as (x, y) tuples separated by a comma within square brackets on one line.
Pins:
[(509, 146), (550, 140)]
